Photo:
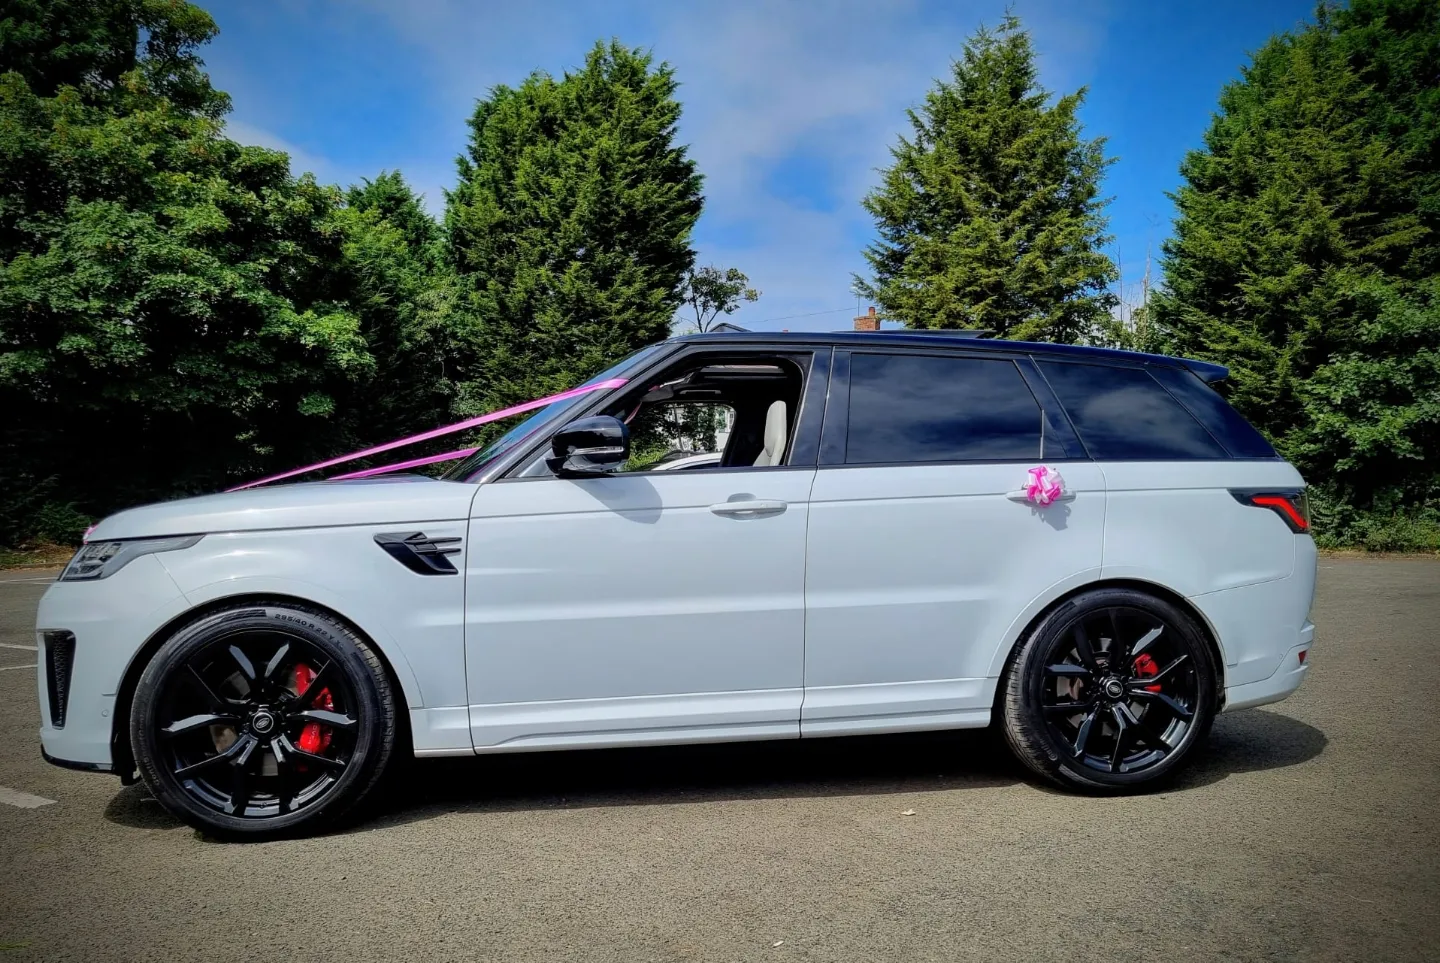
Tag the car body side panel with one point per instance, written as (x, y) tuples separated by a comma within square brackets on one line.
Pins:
[(616, 610), (416, 620), (913, 578), (1176, 524)]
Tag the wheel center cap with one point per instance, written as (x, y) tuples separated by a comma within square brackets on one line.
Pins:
[(1113, 688), (262, 722)]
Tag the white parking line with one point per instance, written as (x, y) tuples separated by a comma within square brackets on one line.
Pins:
[(26, 581), (12, 645), (14, 797), (4, 667)]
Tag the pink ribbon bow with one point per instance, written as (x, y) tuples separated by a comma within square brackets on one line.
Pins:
[(1045, 485)]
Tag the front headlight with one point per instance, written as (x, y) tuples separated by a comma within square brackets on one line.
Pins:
[(104, 559)]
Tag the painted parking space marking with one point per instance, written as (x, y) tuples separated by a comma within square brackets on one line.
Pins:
[(26, 581), (5, 667), (12, 645), (23, 800)]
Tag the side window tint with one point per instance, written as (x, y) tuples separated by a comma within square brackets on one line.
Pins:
[(1124, 414), (914, 408), (1224, 422)]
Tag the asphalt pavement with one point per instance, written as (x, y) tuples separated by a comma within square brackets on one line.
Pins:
[(1306, 831)]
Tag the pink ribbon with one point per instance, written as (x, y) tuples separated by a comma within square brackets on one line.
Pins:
[(435, 433), (1045, 485), (412, 463)]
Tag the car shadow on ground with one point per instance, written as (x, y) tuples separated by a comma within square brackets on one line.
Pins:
[(1247, 741)]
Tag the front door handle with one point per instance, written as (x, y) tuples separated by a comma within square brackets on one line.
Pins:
[(750, 507)]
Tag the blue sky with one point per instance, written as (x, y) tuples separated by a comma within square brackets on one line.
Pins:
[(790, 106)]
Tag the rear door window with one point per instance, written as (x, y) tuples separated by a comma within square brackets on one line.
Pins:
[(925, 408), (1123, 414)]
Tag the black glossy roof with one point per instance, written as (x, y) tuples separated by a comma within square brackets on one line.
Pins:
[(1208, 371)]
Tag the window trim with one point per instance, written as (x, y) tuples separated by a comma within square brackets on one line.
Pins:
[(814, 365), (1056, 422), (836, 430)]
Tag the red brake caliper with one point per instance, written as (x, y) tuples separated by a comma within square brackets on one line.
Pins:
[(1145, 667), (314, 737)]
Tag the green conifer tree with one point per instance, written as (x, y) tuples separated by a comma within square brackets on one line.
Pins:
[(991, 215), (570, 225), (1306, 257)]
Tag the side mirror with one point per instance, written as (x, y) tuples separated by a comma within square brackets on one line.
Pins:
[(590, 447)]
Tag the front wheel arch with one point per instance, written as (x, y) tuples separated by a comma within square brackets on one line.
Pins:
[(123, 756)]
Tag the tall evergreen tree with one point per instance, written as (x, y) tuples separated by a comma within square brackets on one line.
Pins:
[(991, 215), (570, 225), (1306, 255), (400, 285), (168, 313)]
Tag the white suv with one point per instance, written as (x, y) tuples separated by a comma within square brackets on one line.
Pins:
[(869, 554)]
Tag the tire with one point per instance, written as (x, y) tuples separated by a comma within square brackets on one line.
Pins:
[(1148, 703), (286, 737)]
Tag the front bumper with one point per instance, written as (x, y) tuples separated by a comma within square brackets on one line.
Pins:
[(111, 620), (79, 766)]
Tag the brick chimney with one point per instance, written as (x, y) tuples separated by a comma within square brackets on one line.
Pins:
[(867, 322)]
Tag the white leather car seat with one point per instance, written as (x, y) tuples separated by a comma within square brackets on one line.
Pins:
[(776, 425)]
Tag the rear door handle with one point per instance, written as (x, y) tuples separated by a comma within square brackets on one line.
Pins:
[(750, 507), (1023, 496)]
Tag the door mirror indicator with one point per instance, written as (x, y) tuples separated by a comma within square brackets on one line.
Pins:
[(590, 447)]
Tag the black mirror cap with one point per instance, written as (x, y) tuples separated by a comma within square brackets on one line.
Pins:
[(590, 446)]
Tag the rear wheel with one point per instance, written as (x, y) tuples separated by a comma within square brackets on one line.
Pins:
[(263, 720), (1112, 690)]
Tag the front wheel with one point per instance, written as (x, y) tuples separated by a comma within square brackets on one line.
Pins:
[(262, 720), (1111, 691)]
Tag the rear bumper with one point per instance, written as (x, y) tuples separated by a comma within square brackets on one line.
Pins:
[(1261, 626), (1285, 680)]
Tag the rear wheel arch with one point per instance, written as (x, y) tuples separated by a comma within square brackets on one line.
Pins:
[(1077, 707), (120, 751), (1217, 654)]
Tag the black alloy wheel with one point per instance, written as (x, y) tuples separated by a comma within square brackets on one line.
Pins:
[(1112, 690), (259, 720)]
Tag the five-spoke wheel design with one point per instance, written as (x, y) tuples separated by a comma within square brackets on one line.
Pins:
[(256, 720), (1110, 690)]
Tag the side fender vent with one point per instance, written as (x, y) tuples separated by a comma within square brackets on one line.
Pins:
[(420, 553)]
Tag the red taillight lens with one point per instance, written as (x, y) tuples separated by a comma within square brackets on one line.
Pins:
[(1293, 507)]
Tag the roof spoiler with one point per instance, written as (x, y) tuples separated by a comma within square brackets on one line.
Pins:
[(1206, 371)]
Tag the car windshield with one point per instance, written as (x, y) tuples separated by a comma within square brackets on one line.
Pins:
[(466, 469)]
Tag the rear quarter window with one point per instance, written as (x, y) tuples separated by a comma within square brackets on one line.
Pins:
[(1215, 413), (1123, 414)]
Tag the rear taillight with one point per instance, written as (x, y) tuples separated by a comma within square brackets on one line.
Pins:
[(1292, 506)]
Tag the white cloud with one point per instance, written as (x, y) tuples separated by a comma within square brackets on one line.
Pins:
[(300, 159), (761, 81)]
